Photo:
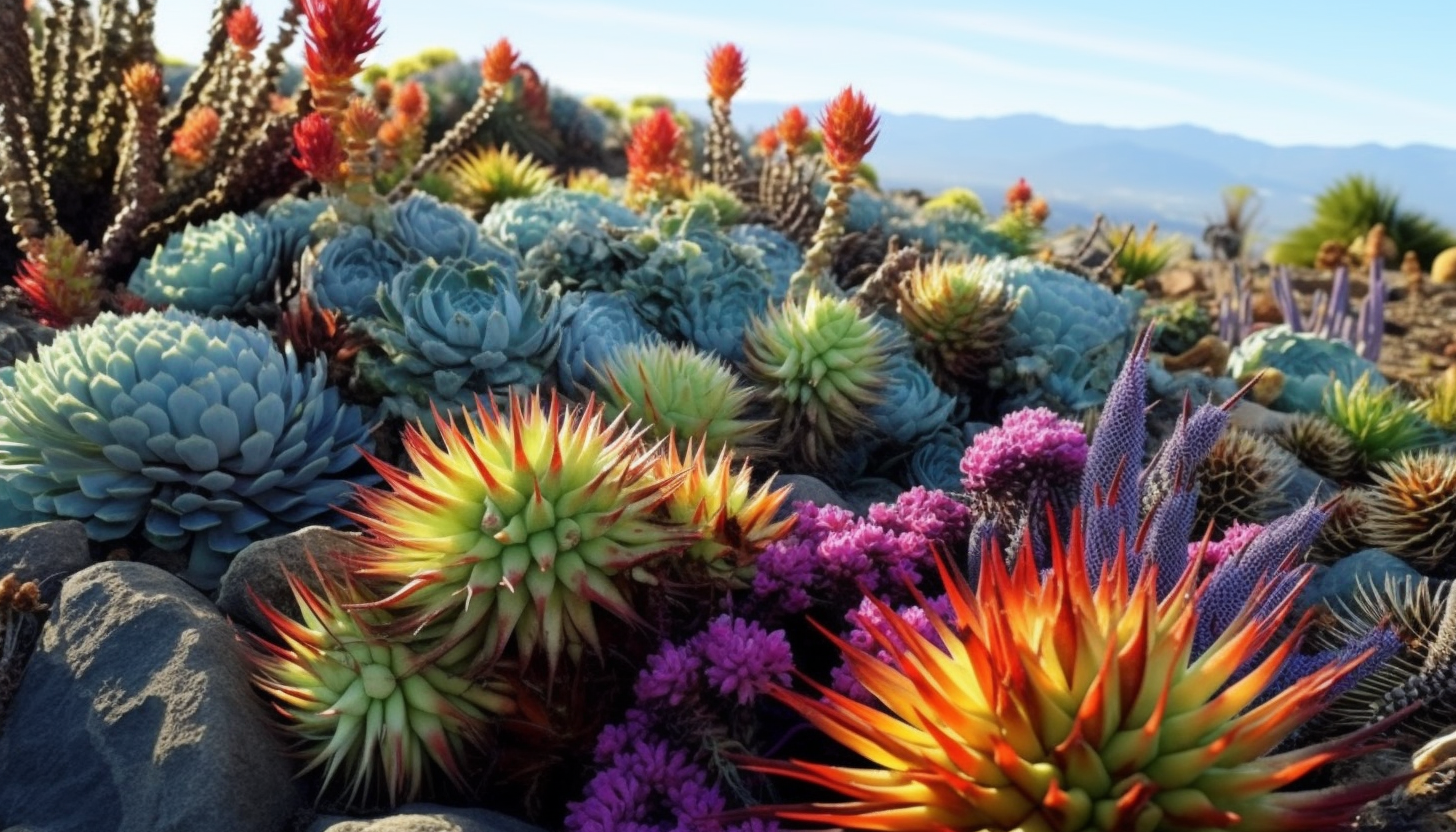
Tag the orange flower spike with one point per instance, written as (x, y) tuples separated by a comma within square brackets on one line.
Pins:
[(193, 141), (143, 82), (850, 129), (244, 30), (338, 33), (726, 67), (652, 155), (793, 130), (1039, 210), (411, 103), (500, 64), (767, 142), (319, 153), (1019, 194)]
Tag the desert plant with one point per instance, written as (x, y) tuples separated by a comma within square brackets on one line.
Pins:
[(1378, 419), (850, 128), (1229, 237), (1242, 480), (1321, 445), (1411, 510), (1139, 258), (957, 316), (1438, 400), (482, 178), (1348, 209), (724, 165)]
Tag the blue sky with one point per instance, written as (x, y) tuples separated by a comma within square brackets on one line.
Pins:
[(1282, 71)]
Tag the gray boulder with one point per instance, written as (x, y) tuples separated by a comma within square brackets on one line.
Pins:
[(260, 566), (1369, 569), (426, 817), (804, 487), (46, 553), (136, 715)]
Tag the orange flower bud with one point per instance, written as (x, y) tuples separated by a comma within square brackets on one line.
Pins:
[(499, 66), (725, 71), (194, 139), (339, 33), (767, 141), (1018, 194), (653, 151), (793, 129), (849, 124), (244, 30), (1039, 210), (361, 121), (411, 102), (143, 82)]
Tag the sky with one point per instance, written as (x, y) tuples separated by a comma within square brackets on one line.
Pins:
[(1333, 73)]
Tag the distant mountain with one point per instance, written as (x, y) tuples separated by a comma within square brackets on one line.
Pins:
[(1169, 174)]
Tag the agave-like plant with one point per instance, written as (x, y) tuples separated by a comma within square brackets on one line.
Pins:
[(1139, 258), (1348, 209), (482, 178), (1381, 423)]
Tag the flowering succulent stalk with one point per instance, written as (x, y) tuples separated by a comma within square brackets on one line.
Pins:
[(1063, 702), (361, 125), (766, 144), (319, 152), (850, 128), (143, 85), (726, 68), (501, 64), (793, 130), (409, 109), (244, 31), (655, 169), (1018, 196), (339, 33), (61, 281), (192, 143)]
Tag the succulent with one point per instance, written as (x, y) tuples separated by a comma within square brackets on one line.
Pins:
[(679, 392), (1242, 480), (451, 331), (1321, 445), (1067, 338), (936, 464), (781, 256), (578, 257), (363, 706), (429, 228), (517, 526), (483, 177), (1347, 530), (1181, 323), (957, 315), (726, 208), (1306, 361), (198, 431), (522, 224), (1381, 424), (347, 272), (294, 219), (911, 407), (1411, 510), (1438, 400), (954, 200), (823, 364), (216, 269), (982, 724), (595, 325)]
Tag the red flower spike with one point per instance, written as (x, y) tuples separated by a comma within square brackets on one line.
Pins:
[(653, 154), (411, 103), (319, 153), (338, 34), (767, 141), (499, 66), (850, 124), (143, 82), (1018, 194), (194, 139), (726, 67), (244, 30), (793, 129)]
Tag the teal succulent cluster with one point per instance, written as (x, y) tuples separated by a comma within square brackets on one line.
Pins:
[(219, 268), (594, 325), (1307, 361), (780, 255), (1067, 338), (451, 331), (912, 407), (347, 271), (580, 256), (953, 232), (522, 224), (199, 431), (294, 218)]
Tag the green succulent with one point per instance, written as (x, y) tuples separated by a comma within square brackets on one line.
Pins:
[(955, 200), (1307, 362), (1348, 209), (484, 177), (217, 269), (1382, 424), (1181, 324)]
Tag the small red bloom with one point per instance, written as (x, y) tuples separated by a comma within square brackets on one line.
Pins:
[(653, 152), (383, 93), (339, 33), (390, 135), (534, 97), (793, 129), (725, 71), (244, 30), (499, 66), (143, 82), (1018, 194), (319, 153), (850, 124), (194, 139), (767, 141), (411, 103), (60, 281)]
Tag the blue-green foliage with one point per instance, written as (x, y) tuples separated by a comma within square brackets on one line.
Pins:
[(1068, 338), (1307, 361), (347, 272), (912, 407), (218, 268), (577, 123), (593, 327), (452, 330), (581, 257), (200, 431), (522, 224), (428, 228), (867, 208), (937, 462), (952, 231), (294, 218), (781, 256)]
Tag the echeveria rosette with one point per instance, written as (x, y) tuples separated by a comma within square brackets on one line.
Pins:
[(1307, 362), (781, 256), (594, 326), (348, 270), (219, 268), (981, 723), (294, 218), (429, 228), (1067, 338), (518, 525), (936, 463), (362, 706), (522, 224), (912, 408), (715, 311), (454, 330), (580, 256), (198, 431)]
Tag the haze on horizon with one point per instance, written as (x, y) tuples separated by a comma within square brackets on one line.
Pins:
[(1341, 74)]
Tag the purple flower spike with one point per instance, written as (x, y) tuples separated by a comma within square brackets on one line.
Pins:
[(1116, 454)]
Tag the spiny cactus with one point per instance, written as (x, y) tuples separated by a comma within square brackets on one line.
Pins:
[(1320, 445), (1412, 510), (1242, 480)]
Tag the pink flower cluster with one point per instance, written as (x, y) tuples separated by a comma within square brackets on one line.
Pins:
[(1235, 537), (1031, 447)]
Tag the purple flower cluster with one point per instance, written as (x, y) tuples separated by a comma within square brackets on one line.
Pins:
[(1031, 447), (733, 658), (935, 515), (1235, 538), (865, 622)]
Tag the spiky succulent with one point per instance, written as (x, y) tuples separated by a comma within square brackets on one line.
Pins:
[(1438, 400), (681, 392), (452, 330), (1320, 444), (1347, 530), (1242, 479), (1379, 421), (522, 224), (216, 269), (735, 523), (1058, 702), (1306, 362), (482, 178), (823, 362), (198, 431), (347, 271), (364, 707), (956, 314), (1412, 510), (517, 525)]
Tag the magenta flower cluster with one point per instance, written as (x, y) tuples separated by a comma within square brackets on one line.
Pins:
[(1235, 538), (1031, 447), (867, 622)]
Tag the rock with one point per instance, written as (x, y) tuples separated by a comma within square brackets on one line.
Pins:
[(136, 715), (1443, 268), (1179, 282), (260, 565), (804, 487), (1257, 418), (426, 817), (870, 490), (47, 553), (1368, 568)]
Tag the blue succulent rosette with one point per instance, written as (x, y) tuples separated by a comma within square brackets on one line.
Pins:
[(427, 228), (912, 407), (1307, 361), (579, 256), (780, 255), (521, 224), (595, 325), (218, 268), (199, 432), (294, 218), (348, 270)]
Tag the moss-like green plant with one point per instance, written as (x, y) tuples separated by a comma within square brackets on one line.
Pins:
[(951, 199), (1382, 423), (1348, 209)]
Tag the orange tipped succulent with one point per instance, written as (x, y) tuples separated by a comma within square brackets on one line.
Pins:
[(1058, 703), (319, 153), (314, 331), (410, 102), (850, 128), (654, 158), (60, 281), (793, 130), (339, 33), (244, 30), (143, 82), (500, 64), (726, 67), (1019, 194), (767, 142), (193, 141)]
